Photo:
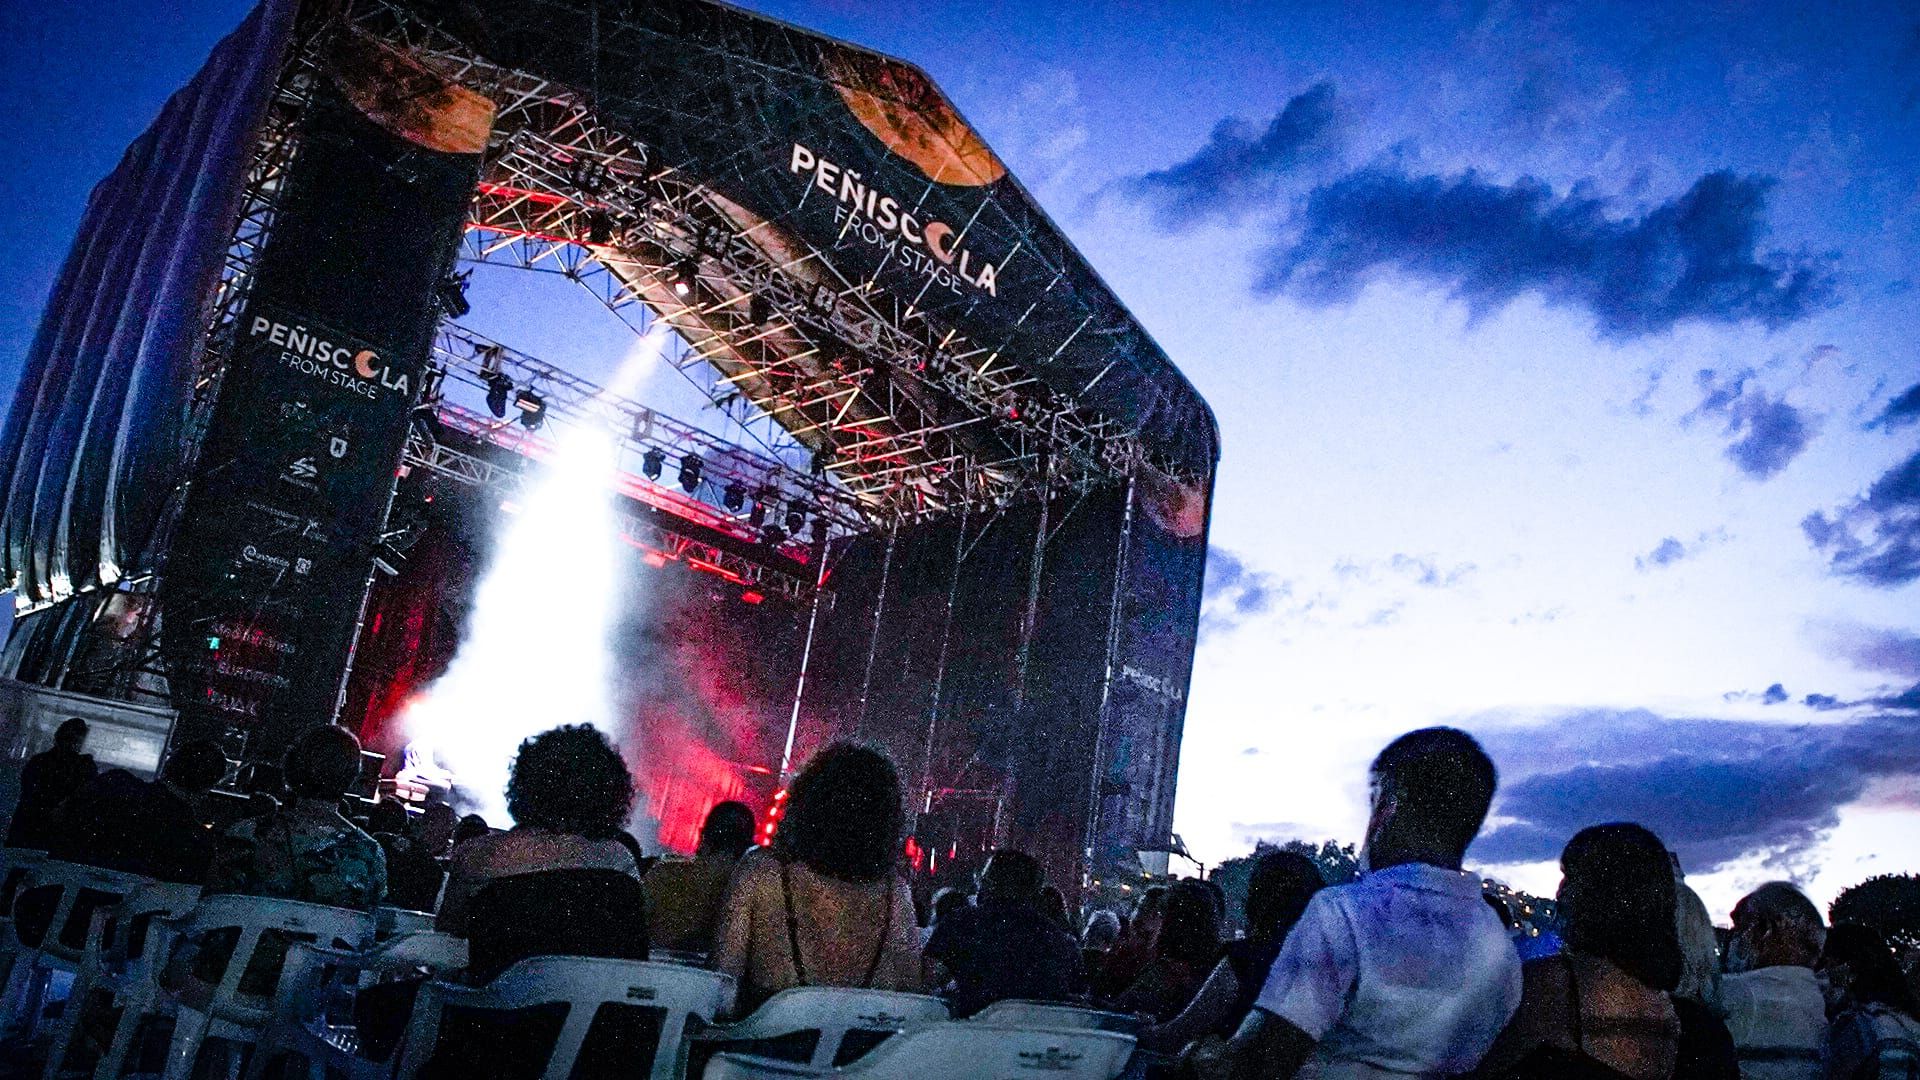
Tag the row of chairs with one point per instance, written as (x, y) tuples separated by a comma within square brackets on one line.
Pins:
[(298, 1011)]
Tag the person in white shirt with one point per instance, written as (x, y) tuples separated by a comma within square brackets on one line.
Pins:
[(1406, 972), (1770, 997)]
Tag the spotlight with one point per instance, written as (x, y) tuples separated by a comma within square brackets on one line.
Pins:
[(452, 294), (774, 535), (819, 530), (684, 272), (690, 468), (822, 458), (652, 462), (758, 515), (533, 409), (734, 497), (599, 228), (796, 519), (758, 310), (499, 387)]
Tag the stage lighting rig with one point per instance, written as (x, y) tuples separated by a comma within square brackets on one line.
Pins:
[(774, 535), (734, 498), (757, 516), (599, 228), (653, 463), (796, 519), (690, 469), (533, 409), (759, 310), (499, 389), (684, 273)]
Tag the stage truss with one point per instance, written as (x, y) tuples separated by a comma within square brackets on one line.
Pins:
[(908, 419)]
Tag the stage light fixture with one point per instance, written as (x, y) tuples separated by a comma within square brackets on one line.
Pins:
[(653, 462), (796, 520), (499, 388), (734, 498), (822, 459), (690, 468), (599, 228), (757, 516), (759, 310), (774, 535), (533, 409), (684, 273), (452, 295), (819, 530)]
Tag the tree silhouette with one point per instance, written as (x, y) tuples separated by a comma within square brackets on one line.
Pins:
[(1889, 903)]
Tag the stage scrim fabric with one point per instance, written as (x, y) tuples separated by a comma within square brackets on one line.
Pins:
[(93, 446)]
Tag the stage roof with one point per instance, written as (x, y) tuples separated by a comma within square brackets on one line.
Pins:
[(896, 229)]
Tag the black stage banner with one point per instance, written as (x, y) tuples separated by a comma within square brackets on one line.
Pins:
[(266, 579)]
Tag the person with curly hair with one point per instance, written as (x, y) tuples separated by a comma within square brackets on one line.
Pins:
[(559, 882), (825, 906)]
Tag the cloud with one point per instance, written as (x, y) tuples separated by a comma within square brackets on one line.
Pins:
[(1874, 539), (1235, 592), (1714, 790), (1424, 571), (1691, 258), (1767, 432), (1899, 412), (1238, 166), (1823, 701), (1772, 695), (1666, 553), (1871, 648)]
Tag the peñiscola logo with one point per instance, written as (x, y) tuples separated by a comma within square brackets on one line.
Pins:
[(930, 247), (314, 352)]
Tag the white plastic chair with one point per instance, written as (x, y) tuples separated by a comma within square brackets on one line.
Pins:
[(221, 1010), (1019, 1012), (315, 974), (830, 1013), (125, 947), (394, 921), (57, 948), (958, 1050), (583, 984)]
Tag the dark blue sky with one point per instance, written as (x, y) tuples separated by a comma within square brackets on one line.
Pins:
[(1563, 355)]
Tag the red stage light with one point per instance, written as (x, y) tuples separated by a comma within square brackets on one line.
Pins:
[(655, 559), (752, 597)]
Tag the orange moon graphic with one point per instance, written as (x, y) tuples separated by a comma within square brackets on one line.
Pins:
[(936, 232), (906, 113), (363, 363)]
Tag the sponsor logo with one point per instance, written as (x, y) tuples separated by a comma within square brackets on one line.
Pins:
[(303, 469), (253, 556), (931, 247), (303, 566), (1052, 1059), (310, 352), (1157, 685), (337, 447)]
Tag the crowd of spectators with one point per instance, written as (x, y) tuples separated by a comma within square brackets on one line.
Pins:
[(1407, 971)]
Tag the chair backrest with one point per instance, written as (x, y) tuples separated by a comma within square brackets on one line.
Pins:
[(583, 984), (257, 921), (66, 895), (961, 1050), (813, 1023), (15, 864), (393, 921), (130, 937), (1051, 1014)]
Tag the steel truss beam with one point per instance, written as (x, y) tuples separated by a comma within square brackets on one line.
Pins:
[(910, 418), (638, 529)]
